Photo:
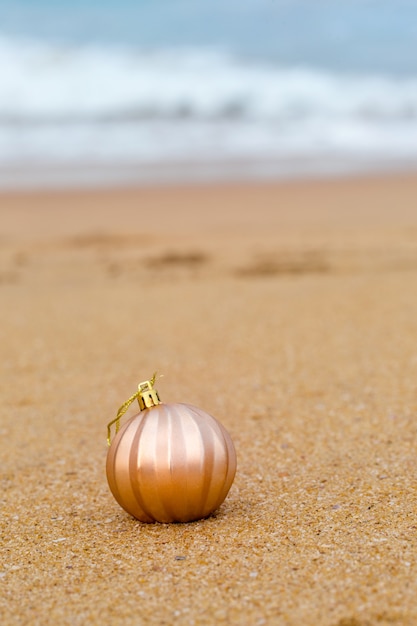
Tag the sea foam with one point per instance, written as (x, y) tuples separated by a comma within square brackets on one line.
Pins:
[(102, 104)]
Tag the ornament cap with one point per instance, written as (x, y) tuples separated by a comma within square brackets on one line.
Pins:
[(148, 396)]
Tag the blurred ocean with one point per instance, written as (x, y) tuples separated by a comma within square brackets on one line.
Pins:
[(131, 90)]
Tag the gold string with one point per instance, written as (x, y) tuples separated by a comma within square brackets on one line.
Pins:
[(122, 410)]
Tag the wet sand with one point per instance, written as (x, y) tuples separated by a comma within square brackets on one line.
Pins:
[(288, 311)]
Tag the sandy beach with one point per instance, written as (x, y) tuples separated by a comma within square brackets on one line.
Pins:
[(289, 312)]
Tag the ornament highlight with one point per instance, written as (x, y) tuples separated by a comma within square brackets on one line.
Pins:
[(170, 462)]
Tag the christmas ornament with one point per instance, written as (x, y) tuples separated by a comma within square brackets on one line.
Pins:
[(170, 462)]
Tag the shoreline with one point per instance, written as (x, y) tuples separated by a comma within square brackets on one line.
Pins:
[(253, 219), (227, 171)]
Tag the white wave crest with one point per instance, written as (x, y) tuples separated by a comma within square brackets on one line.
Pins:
[(40, 82), (102, 103)]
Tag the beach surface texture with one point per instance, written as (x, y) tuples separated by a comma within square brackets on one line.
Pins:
[(289, 312)]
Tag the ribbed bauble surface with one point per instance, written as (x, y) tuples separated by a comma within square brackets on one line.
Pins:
[(171, 463)]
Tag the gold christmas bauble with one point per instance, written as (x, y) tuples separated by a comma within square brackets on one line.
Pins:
[(170, 462)]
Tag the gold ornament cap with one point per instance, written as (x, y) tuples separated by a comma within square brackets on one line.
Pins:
[(147, 398)]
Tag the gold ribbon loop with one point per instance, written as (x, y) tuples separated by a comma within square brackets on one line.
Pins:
[(120, 414), (146, 385)]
